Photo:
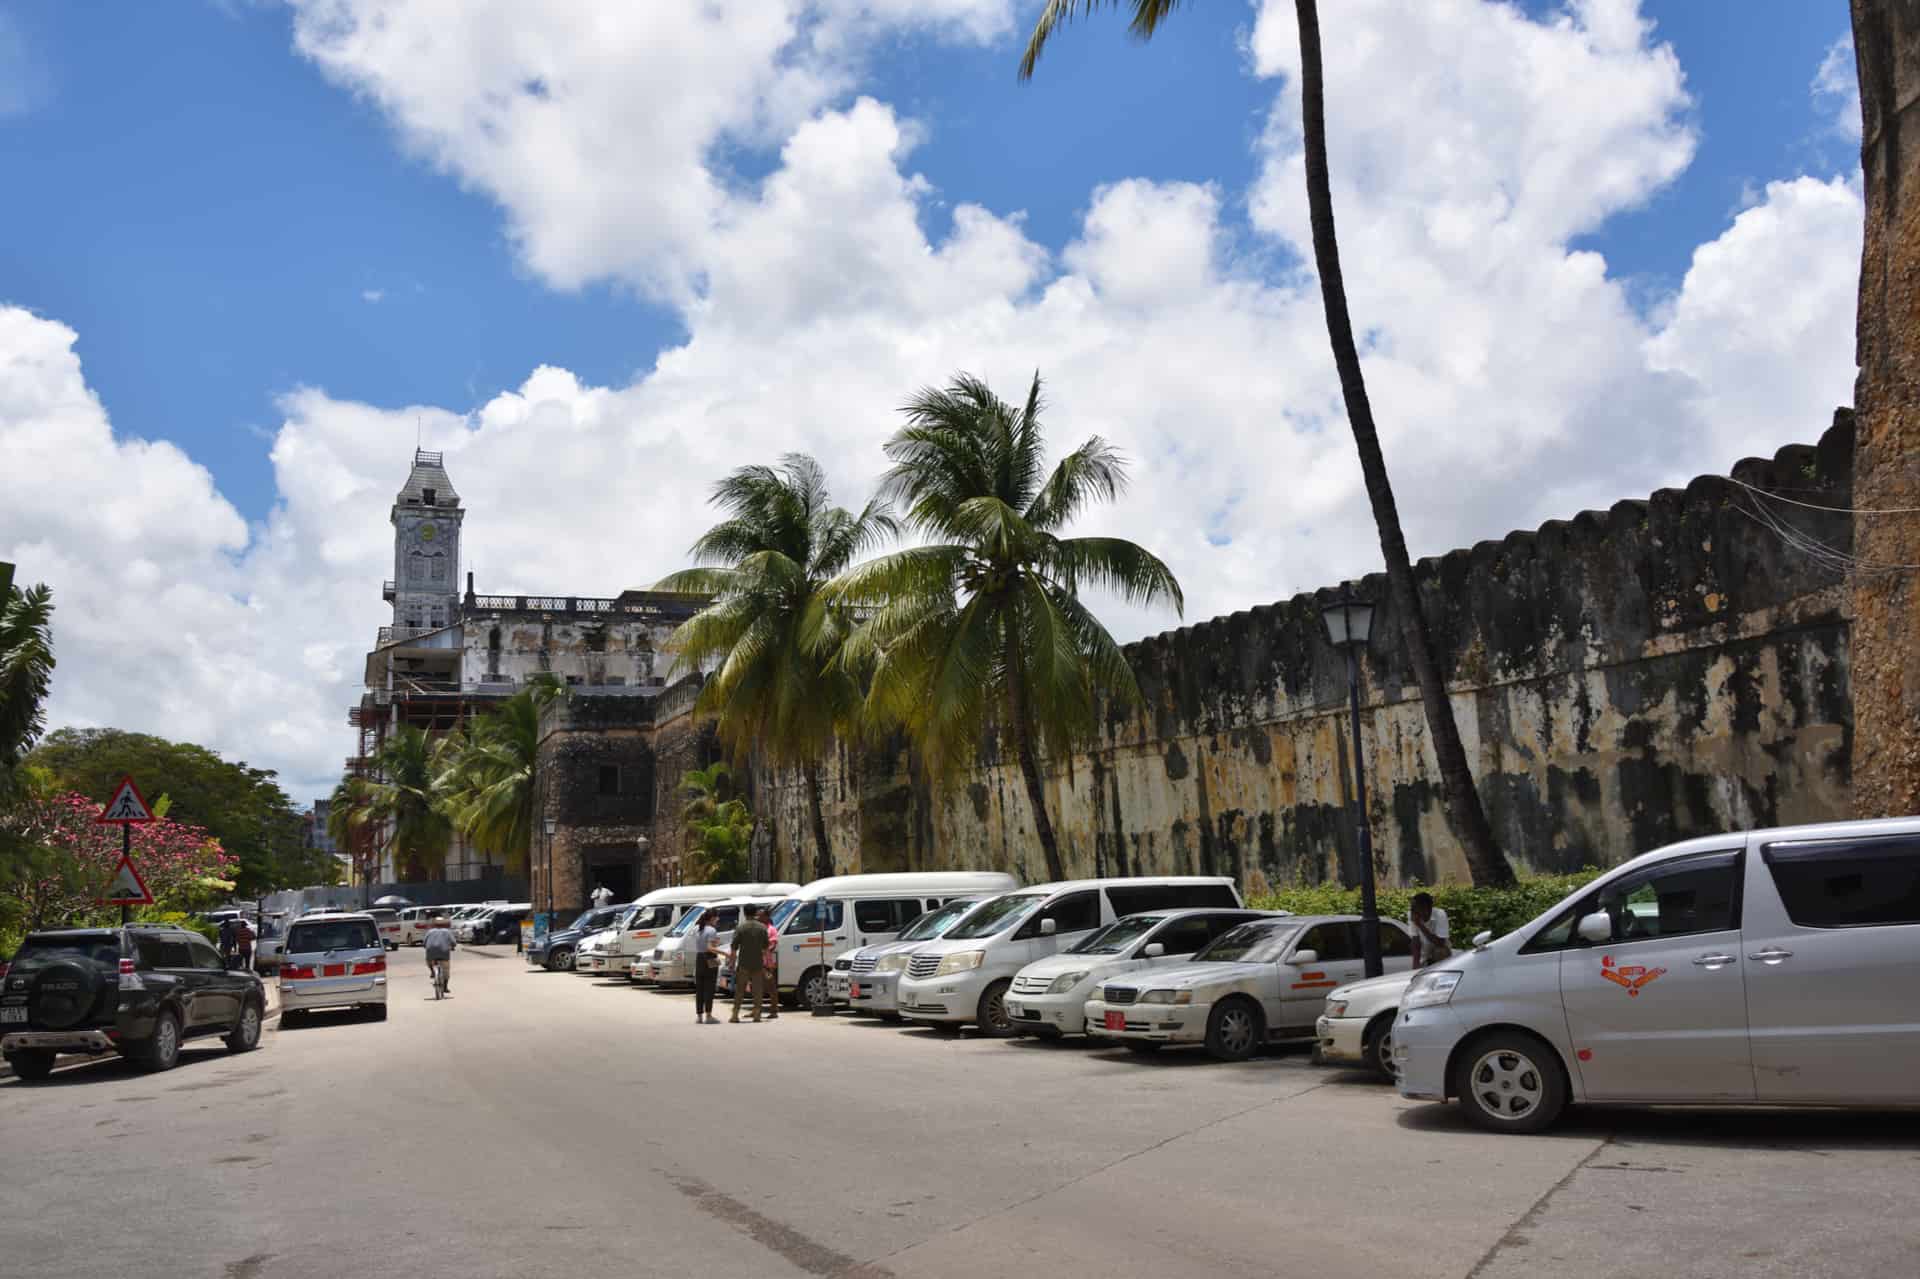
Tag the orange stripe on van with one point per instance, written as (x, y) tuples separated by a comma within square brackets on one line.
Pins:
[(1314, 985)]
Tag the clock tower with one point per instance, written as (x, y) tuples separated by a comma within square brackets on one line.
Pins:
[(426, 546)]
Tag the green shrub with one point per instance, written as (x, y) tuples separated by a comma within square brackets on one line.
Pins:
[(179, 919), (1469, 910)]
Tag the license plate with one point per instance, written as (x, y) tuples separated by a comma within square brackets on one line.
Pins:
[(13, 1014), (1116, 1021), (333, 970)]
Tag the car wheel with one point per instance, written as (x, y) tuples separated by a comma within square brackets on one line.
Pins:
[(376, 1012), (991, 1014), (1510, 1082), (559, 960), (32, 1064), (1234, 1030), (245, 1035), (811, 991), (162, 1052), (1377, 1044)]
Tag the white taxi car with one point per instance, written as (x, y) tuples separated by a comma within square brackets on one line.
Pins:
[(1263, 982), (1049, 996), (1357, 1027)]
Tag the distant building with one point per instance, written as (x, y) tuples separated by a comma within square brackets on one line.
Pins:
[(448, 655), (315, 835)]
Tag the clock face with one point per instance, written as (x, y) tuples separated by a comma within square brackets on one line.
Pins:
[(426, 532)]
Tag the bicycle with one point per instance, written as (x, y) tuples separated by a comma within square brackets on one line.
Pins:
[(439, 978)]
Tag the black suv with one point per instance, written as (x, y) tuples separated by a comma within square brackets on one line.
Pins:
[(138, 990)]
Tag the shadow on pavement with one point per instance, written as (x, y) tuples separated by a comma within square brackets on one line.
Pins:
[(321, 1018), (1756, 1127)]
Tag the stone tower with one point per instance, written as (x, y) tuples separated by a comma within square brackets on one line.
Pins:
[(426, 546)]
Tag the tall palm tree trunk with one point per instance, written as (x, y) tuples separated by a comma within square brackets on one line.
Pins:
[(1020, 728), (1485, 861), (816, 811)]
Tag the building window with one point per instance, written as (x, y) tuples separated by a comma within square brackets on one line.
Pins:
[(427, 496), (439, 568), (609, 779), (493, 640), (416, 567)]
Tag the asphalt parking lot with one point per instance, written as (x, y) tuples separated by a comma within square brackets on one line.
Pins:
[(541, 1122)]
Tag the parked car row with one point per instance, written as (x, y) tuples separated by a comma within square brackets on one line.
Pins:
[(1766, 967)]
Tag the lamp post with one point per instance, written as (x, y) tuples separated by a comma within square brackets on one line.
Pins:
[(550, 825), (640, 846), (1349, 622)]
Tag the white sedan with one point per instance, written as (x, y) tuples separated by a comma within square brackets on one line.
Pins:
[(1263, 982), (1357, 1026)]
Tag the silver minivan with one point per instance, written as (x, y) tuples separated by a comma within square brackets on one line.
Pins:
[(333, 961), (1771, 967)]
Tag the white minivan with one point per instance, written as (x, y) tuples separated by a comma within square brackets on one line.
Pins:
[(614, 951), (841, 913), (964, 977), (1768, 967)]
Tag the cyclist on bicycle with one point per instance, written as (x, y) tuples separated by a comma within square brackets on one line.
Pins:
[(438, 944)]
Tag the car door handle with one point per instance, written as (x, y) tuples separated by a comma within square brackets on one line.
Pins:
[(1715, 960), (1771, 955)]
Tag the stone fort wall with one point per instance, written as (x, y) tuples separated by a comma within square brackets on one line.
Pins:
[(1664, 668)]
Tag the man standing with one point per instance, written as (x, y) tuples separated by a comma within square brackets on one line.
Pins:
[(438, 945), (706, 969), (1429, 924), (600, 896), (243, 945), (226, 940), (749, 960)]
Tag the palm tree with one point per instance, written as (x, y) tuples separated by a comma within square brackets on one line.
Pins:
[(983, 626), (770, 636), (405, 805), (26, 668), (1485, 861), (484, 776), (350, 818), (718, 843)]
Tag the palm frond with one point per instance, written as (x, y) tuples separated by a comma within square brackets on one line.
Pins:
[(1129, 570), (1096, 471), (1147, 16)]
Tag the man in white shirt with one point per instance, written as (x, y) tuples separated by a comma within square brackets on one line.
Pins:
[(1429, 925)]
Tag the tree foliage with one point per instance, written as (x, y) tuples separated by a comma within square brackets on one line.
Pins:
[(983, 627), (484, 774), (406, 806), (241, 807)]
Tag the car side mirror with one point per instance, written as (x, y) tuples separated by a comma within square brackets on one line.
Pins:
[(1154, 950), (1597, 926), (1049, 927), (1306, 956), (1480, 939)]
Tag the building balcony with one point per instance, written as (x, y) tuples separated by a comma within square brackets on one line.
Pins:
[(397, 634), (387, 591)]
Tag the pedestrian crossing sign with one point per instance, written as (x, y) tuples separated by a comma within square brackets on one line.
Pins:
[(125, 807), (127, 888)]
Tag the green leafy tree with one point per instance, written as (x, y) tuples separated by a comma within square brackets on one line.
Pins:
[(770, 636), (719, 843), (243, 808), (352, 822), (984, 626), (1468, 816), (705, 789), (406, 807), (26, 668), (485, 775)]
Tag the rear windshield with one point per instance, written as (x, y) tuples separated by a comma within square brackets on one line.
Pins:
[(311, 937), (100, 950)]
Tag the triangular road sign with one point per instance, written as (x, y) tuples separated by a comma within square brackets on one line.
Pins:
[(126, 806), (127, 888)]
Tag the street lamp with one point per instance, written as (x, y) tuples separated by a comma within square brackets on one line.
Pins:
[(551, 826), (1349, 622)]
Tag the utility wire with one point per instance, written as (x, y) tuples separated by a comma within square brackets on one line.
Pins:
[(1815, 506)]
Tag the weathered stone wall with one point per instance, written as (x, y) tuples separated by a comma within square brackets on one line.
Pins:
[(681, 744), (600, 816), (609, 652), (1667, 667)]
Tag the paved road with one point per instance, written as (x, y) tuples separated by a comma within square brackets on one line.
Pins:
[(549, 1121)]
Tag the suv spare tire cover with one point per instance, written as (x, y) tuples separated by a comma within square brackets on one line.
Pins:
[(61, 996)]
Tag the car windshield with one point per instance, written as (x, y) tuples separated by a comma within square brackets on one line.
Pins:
[(583, 919), (1118, 935), (935, 922), (100, 949), (995, 916), (315, 936), (687, 921), (784, 911), (1256, 943)]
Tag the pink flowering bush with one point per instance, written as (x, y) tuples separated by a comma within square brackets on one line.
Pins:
[(74, 861)]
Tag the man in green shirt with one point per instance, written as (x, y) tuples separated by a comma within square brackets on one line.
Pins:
[(749, 960)]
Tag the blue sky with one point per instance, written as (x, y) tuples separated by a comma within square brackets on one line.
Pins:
[(213, 217)]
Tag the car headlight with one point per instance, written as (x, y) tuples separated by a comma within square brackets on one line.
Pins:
[(659, 954), (1167, 997), (842, 964), (963, 961), (891, 964), (1432, 989), (1336, 1008), (1066, 982)]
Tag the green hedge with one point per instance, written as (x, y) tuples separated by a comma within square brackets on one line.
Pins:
[(1469, 910)]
